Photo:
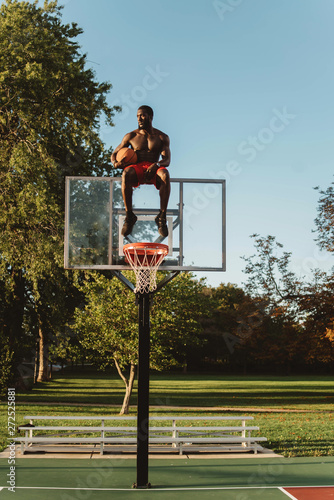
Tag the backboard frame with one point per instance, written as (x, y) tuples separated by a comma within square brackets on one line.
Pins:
[(170, 212)]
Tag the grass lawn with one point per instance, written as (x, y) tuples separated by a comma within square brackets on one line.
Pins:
[(295, 414)]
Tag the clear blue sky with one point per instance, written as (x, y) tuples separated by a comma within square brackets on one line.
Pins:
[(244, 89)]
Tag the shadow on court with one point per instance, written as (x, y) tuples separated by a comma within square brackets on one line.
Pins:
[(231, 479)]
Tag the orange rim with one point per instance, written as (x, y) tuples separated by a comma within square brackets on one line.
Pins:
[(146, 248)]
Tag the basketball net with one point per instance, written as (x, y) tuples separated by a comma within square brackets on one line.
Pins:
[(145, 259)]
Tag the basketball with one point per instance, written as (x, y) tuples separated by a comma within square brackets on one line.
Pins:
[(128, 155)]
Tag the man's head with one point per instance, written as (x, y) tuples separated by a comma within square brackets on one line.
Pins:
[(144, 117)]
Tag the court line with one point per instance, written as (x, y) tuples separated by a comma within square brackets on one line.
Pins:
[(281, 488), (287, 494), (60, 488)]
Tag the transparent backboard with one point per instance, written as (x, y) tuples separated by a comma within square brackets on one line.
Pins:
[(95, 213)]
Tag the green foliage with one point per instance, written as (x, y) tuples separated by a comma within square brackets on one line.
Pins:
[(296, 317), (51, 108), (48, 95), (50, 113), (325, 219), (30, 217), (108, 325), (269, 276), (177, 313)]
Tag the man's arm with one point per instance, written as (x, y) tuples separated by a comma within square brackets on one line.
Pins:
[(165, 153), (124, 144), (164, 162)]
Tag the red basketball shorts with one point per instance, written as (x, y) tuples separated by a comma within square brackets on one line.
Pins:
[(140, 169)]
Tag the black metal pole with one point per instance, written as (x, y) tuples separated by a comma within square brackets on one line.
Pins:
[(143, 390)]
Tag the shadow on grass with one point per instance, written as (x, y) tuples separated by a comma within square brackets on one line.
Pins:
[(103, 388), (303, 448)]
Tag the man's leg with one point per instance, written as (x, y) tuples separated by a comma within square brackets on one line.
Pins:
[(163, 184), (129, 179)]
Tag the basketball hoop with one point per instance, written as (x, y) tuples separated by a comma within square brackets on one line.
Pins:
[(145, 259)]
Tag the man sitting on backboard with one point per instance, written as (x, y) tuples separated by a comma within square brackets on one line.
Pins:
[(149, 144)]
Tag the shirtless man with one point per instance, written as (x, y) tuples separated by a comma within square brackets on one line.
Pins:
[(149, 144)]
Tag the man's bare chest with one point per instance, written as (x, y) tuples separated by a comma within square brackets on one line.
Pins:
[(146, 142)]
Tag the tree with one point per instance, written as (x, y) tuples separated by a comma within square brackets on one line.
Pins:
[(244, 332), (106, 328), (108, 324), (297, 316), (317, 301), (317, 305), (221, 328), (275, 337), (325, 219), (50, 112), (177, 313), (269, 275), (305, 310)]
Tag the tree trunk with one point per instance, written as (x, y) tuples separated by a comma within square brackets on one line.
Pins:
[(128, 386), (43, 357), (36, 363)]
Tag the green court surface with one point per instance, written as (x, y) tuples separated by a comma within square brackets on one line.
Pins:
[(191, 479)]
